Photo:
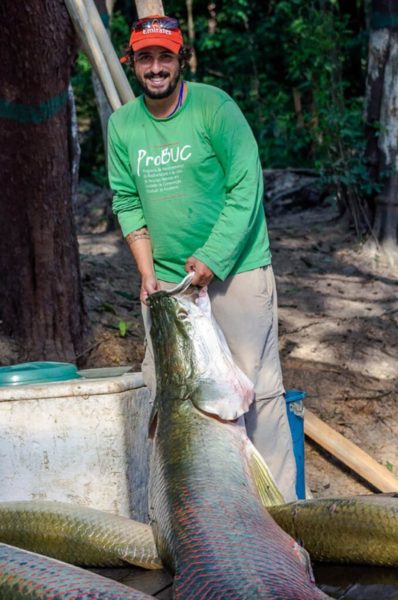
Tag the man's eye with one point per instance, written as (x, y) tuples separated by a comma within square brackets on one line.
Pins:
[(167, 59), (144, 58)]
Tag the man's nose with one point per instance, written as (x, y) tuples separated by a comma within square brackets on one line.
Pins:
[(157, 65)]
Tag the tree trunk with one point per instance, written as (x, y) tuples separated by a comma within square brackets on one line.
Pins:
[(382, 123), (41, 300)]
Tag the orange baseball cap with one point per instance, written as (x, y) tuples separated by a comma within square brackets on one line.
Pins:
[(156, 30)]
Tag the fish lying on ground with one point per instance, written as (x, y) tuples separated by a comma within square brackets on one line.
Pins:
[(357, 530), (210, 526), (78, 535), (360, 529), (34, 577)]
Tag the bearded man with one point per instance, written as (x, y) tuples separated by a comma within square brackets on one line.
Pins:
[(188, 193)]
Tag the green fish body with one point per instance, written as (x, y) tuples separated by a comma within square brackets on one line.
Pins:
[(211, 528), (360, 529), (77, 534)]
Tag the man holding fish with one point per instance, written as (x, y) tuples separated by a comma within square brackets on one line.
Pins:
[(188, 193)]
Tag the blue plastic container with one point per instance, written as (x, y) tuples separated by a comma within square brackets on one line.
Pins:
[(295, 412), (37, 372)]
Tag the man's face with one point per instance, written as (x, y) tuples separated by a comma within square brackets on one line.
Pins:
[(157, 71)]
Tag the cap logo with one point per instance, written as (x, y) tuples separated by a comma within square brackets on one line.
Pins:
[(157, 30)]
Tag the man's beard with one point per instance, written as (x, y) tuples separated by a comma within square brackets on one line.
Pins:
[(158, 95)]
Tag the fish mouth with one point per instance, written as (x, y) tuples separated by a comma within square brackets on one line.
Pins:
[(180, 288)]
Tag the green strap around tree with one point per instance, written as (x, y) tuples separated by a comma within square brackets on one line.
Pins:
[(32, 113)]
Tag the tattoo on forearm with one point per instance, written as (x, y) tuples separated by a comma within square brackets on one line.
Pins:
[(138, 234)]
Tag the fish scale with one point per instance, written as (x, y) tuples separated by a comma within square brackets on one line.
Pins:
[(28, 576)]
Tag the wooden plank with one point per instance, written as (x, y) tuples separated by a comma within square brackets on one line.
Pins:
[(349, 453)]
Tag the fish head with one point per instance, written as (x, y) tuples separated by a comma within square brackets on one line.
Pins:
[(171, 334), (192, 356)]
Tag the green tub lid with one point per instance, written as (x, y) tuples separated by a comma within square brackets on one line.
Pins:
[(37, 372)]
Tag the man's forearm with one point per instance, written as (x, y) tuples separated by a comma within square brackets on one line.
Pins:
[(140, 246)]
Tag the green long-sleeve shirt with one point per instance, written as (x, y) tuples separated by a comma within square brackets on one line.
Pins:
[(194, 179)]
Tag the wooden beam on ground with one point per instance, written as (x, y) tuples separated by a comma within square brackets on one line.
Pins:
[(81, 22), (118, 75), (145, 8), (349, 453)]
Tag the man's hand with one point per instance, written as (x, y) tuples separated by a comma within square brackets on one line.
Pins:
[(149, 285), (203, 275)]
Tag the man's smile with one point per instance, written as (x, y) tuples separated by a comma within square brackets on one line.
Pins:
[(158, 72)]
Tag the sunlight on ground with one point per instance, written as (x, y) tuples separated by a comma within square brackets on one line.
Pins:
[(100, 244)]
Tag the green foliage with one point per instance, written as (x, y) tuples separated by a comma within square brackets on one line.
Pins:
[(122, 325), (282, 62)]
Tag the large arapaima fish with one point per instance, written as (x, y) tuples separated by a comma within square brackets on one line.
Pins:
[(210, 525)]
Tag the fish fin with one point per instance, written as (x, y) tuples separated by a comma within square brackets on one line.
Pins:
[(263, 479), (227, 400)]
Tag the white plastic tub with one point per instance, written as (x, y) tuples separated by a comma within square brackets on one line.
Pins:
[(82, 441)]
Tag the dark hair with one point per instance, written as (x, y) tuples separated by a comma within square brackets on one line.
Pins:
[(184, 55)]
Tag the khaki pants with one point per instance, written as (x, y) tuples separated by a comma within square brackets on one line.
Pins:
[(245, 307)]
